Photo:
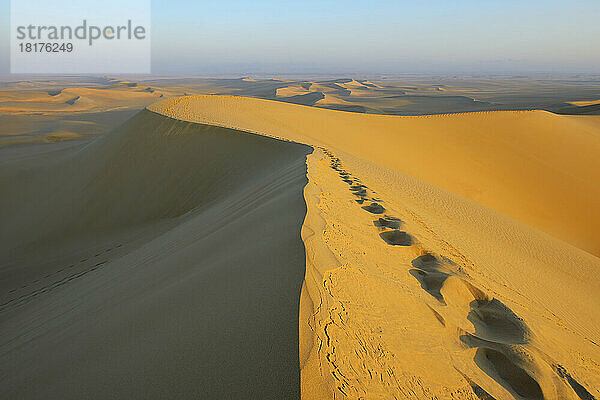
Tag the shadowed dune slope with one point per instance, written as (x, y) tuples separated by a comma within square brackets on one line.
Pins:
[(533, 166), (163, 260)]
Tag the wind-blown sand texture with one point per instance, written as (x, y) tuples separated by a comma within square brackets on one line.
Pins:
[(413, 291), (48, 110), (163, 260), (517, 163), (450, 256)]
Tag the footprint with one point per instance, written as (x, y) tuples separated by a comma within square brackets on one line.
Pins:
[(427, 270), (427, 262), (359, 190), (431, 282), (396, 238), (491, 319), (508, 374), (374, 208), (388, 222), (499, 332), (496, 322)]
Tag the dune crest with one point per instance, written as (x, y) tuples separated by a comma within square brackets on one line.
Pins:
[(526, 165), (162, 260), (413, 291), (360, 256)]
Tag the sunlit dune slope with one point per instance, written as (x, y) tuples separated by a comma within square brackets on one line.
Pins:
[(414, 290), (585, 102), (170, 252), (74, 100), (536, 167), (162, 260)]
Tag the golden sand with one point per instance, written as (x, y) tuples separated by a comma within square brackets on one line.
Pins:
[(449, 256), (515, 162), (585, 103)]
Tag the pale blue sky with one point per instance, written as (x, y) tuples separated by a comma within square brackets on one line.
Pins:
[(377, 36)]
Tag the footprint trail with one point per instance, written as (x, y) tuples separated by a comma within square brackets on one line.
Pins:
[(501, 340)]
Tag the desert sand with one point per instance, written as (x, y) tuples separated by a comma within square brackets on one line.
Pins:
[(447, 256), (163, 260), (497, 159), (585, 103), (53, 109), (234, 247)]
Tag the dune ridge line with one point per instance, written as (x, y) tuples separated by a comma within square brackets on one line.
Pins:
[(436, 262)]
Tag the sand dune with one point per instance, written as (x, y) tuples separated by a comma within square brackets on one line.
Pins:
[(163, 260), (43, 112), (585, 103), (292, 90), (512, 162), (428, 285), (74, 100), (413, 291), (449, 256)]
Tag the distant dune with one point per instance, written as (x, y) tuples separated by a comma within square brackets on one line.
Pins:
[(85, 100), (292, 90), (585, 103), (42, 112)]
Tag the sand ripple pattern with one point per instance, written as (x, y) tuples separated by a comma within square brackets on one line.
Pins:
[(503, 341)]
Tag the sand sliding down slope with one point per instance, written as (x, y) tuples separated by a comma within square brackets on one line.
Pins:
[(163, 260), (428, 274)]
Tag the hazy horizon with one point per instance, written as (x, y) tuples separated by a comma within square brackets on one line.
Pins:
[(314, 37)]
